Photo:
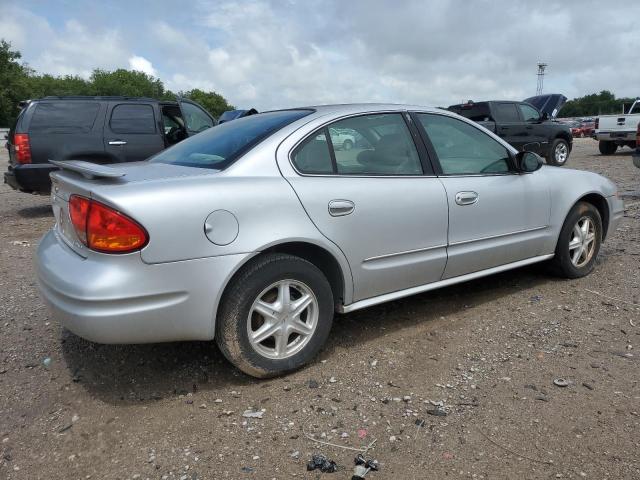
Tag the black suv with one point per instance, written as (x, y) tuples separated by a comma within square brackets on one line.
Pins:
[(96, 129), (525, 125)]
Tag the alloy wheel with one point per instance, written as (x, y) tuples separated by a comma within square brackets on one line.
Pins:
[(561, 152), (582, 243), (282, 319)]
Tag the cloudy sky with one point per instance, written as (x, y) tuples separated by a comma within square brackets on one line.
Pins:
[(270, 54)]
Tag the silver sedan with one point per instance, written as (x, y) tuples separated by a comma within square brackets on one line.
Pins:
[(255, 232)]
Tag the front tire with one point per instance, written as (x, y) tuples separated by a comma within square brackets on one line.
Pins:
[(275, 315), (606, 147), (559, 153), (579, 242)]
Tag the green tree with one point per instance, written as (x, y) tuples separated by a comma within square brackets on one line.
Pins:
[(13, 84), (595, 104), (125, 82), (213, 102)]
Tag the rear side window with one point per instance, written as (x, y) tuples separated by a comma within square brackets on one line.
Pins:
[(478, 112), (132, 119), (378, 144), (505, 112), (64, 117), (220, 146)]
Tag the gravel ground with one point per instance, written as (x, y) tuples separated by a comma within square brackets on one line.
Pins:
[(488, 350)]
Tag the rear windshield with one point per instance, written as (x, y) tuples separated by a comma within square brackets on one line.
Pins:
[(478, 112), (220, 146), (64, 117)]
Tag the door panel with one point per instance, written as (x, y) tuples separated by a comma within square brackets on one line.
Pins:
[(396, 235), (131, 132), (509, 125), (508, 221)]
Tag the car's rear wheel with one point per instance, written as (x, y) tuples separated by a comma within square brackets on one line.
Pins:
[(607, 147), (559, 153), (275, 316), (579, 242)]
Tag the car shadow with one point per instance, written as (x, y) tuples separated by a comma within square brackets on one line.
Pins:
[(39, 211), (128, 374)]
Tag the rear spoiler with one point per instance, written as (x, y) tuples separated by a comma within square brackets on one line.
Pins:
[(87, 169)]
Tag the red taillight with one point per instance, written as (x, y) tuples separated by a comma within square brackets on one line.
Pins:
[(22, 147), (103, 229)]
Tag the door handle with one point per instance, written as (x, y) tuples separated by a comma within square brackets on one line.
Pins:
[(339, 208), (466, 198), (117, 142)]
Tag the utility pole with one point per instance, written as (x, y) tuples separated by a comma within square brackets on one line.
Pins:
[(541, 68)]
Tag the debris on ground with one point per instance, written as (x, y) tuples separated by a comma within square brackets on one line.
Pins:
[(47, 362), (253, 413), (322, 463), (437, 412), (363, 466), (561, 382)]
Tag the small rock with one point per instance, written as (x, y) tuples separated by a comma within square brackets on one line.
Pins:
[(588, 386), (253, 413), (437, 412), (561, 382), (344, 435), (392, 438), (75, 418), (295, 455), (47, 362), (332, 380), (374, 363), (406, 398), (286, 388), (203, 405), (313, 384), (217, 400), (256, 457)]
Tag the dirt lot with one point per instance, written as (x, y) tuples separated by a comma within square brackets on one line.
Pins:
[(489, 350)]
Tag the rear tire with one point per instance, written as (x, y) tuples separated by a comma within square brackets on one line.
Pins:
[(559, 153), (579, 242), (607, 147), (262, 301)]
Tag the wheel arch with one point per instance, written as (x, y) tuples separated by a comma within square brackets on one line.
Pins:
[(601, 204), (336, 270)]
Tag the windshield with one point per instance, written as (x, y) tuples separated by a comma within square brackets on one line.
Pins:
[(220, 146)]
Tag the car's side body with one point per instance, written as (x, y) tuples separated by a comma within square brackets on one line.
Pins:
[(375, 237)]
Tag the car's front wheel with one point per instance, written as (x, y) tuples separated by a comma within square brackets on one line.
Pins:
[(579, 242), (275, 315)]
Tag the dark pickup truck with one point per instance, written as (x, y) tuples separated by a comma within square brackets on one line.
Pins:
[(96, 129), (525, 125)]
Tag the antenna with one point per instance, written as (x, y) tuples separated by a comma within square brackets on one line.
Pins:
[(541, 68)]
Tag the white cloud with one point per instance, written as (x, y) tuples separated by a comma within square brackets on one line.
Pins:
[(141, 64)]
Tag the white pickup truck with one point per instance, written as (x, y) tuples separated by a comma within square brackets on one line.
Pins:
[(613, 131)]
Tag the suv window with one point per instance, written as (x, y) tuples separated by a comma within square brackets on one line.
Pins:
[(64, 117), (478, 112), (195, 118), (219, 147), (132, 118), (529, 113), (463, 149), (378, 144), (505, 112)]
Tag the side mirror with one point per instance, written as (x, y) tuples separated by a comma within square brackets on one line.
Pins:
[(528, 162)]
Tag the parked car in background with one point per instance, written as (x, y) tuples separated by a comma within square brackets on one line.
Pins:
[(256, 231), (342, 138), (580, 128), (613, 131), (525, 125), (235, 114), (95, 129)]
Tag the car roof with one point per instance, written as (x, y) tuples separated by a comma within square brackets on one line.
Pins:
[(348, 108), (101, 98)]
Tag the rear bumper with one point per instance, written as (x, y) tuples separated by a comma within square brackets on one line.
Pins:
[(121, 299), (31, 177)]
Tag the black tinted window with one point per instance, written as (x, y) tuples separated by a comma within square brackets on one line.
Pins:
[(132, 119), (64, 117), (219, 146), (505, 112), (478, 112)]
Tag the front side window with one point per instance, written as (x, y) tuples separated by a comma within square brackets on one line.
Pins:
[(132, 118), (378, 144), (463, 149), (529, 113), (195, 118), (219, 147)]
